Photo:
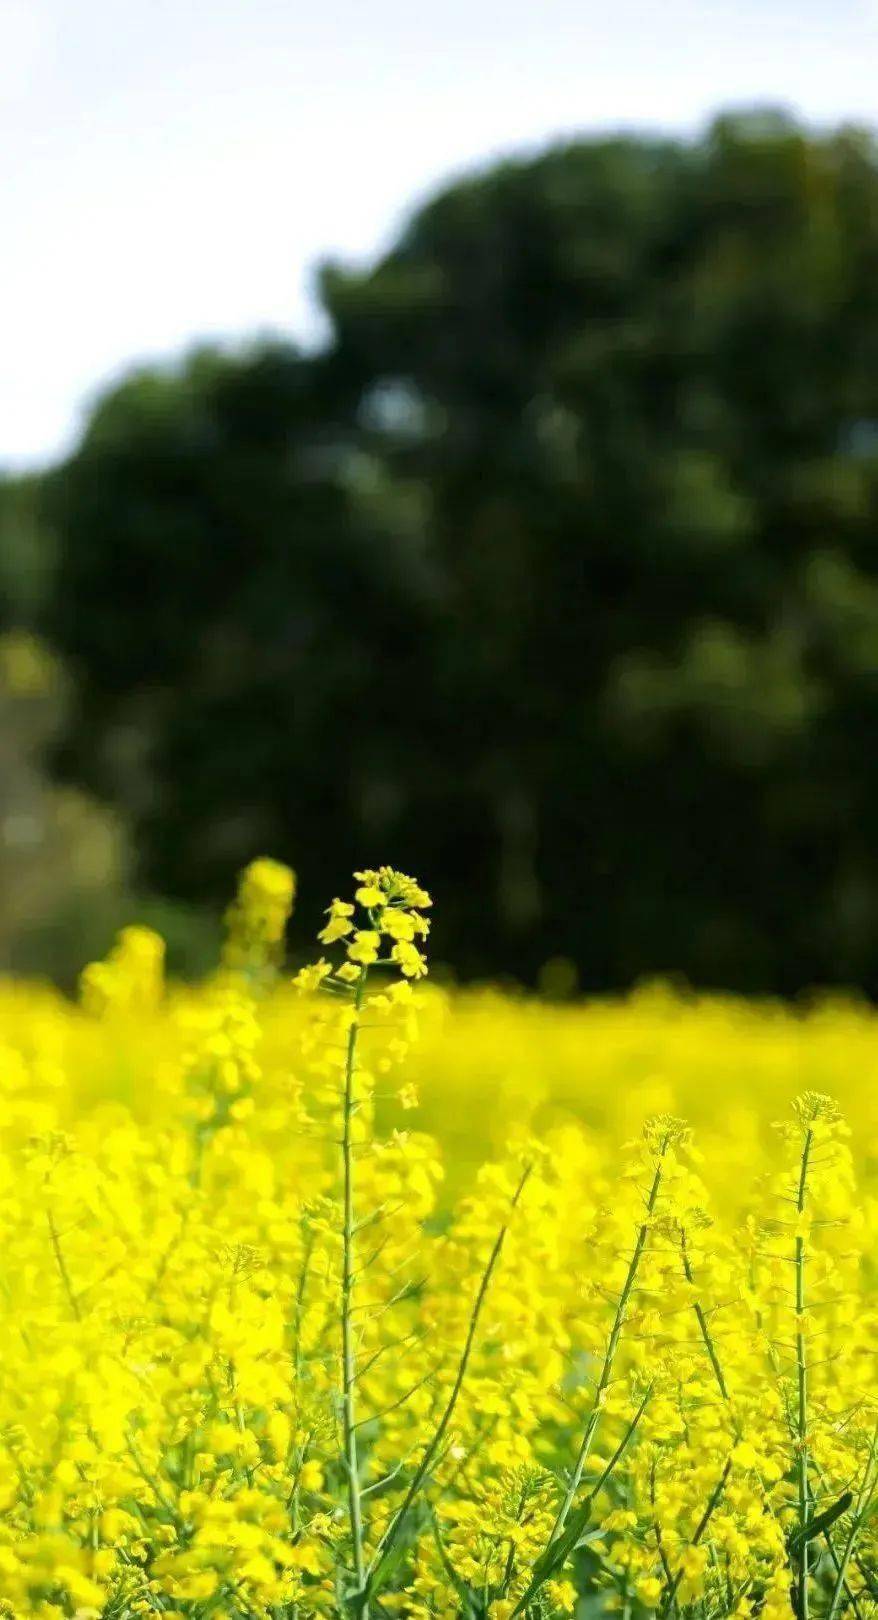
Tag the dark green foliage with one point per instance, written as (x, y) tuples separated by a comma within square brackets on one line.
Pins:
[(555, 576), (26, 555)]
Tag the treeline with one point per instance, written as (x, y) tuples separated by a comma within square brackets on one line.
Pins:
[(552, 578)]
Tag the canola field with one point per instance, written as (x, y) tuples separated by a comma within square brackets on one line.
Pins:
[(344, 1296)]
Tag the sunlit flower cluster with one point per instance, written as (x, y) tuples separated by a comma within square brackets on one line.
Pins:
[(327, 1294)]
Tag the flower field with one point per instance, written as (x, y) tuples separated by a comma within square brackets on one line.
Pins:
[(347, 1296)]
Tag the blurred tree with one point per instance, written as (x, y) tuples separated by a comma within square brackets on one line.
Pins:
[(555, 577), (60, 855), (242, 597), (26, 553), (64, 859)]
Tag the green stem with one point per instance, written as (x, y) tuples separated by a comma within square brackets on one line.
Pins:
[(606, 1373), (704, 1327), (841, 1569), (864, 1502), (710, 1347), (712, 1505), (557, 1551), (62, 1267), (348, 1351), (802, 1382), (420, 1474)]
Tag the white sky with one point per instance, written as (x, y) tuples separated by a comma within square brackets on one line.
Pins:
[(173, 169)]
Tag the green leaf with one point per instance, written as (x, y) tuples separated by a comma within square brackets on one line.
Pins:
[(820, 1523), (383, 1572), (590, 1536), (558, 1551)]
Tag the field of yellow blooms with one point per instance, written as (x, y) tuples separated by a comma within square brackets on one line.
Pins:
[(344, 1296)]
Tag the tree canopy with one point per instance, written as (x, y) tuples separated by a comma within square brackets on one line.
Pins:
[(554, 575)]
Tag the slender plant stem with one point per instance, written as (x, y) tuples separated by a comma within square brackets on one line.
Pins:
[(864, 1502), (710, 1347), (704, 1328), (606, 1372), (62, 1266), (841, 1569), (712, 1504), (556, 1552), (802, 1382), (348, 1351), (396, 1524), (301, 1286), (671, 1602)]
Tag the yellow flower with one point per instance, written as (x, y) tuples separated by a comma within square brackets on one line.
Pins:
[(412, 963), (364, 946), (370, 896), (310, 978), (219, 1240)]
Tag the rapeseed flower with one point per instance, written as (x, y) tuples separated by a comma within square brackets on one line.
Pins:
[(348, 1297)]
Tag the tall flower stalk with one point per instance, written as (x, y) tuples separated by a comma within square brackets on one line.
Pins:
[(348, 1352), (661, 1135), (802, 1382), (804, 1491), (817, 1118), (385, 916)]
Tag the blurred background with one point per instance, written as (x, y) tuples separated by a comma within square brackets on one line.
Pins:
[(445, 436)]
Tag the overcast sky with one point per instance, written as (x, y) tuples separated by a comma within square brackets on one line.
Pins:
[(173, 169)]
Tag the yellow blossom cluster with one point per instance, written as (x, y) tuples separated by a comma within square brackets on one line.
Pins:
[(304, 1316), (257, 918)]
